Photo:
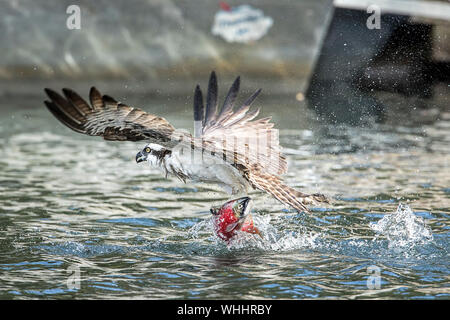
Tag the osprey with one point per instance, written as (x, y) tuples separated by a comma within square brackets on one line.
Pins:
[(230, 147)]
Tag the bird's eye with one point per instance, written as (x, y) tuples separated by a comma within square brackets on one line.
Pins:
[(147, 150)]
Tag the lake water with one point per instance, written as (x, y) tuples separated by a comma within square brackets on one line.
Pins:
[(80, 219)]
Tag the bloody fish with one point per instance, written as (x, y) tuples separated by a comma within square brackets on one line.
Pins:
[(233, 216)]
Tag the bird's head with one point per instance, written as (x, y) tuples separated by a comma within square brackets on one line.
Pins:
[(152, 153)]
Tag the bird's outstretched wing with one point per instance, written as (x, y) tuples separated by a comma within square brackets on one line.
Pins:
[(252, 141), (274, 185), (106, 117)]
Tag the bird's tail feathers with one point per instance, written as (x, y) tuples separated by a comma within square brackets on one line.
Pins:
[(285, 194)]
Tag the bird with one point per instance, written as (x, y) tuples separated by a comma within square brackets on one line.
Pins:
[(230, 147)]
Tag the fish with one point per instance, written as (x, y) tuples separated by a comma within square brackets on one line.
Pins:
[(233, 216)]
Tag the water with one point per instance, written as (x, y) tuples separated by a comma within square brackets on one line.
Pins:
[(75, 205)]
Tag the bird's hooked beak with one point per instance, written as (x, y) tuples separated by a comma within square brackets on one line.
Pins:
[(140, 156)]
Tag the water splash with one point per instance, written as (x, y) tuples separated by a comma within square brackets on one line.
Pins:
[(403, 229), (270, 239)]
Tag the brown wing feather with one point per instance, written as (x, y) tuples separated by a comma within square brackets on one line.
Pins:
[(106, 117), (274, 186)]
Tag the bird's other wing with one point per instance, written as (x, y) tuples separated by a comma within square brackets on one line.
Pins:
[(106, 117), (252, 142), (274, 185)]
